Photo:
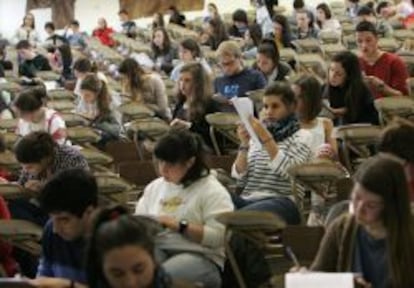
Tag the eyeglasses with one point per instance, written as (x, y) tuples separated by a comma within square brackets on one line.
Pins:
[(227, 64)]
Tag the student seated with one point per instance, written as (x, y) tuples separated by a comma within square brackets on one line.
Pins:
[(189, 51), (69, 198), (214, 33), (176, 17), (27, 31), (53, 39), (81, 68), (60, 59), (252, 39), (74, 36), (350, 99), (306, 27), (236, 79), (325, 21), (397, 139), (32, 62), (98, 109), (375, 239), (186, 200), (194, 101), (104, 33), (385, 72), (261, 170), (384, 29), (268, 62), (118, 244), (163, 50), (145, 88), (128, 27), (35, 116), (240, 24), (40, 158)]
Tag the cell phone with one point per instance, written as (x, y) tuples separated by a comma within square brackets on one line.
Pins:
[(14, 283)]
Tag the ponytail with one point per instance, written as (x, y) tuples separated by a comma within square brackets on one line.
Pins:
[(92, 83)]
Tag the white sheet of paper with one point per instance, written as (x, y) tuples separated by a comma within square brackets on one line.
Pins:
[(50, 85), (319, 280), (244, 107)]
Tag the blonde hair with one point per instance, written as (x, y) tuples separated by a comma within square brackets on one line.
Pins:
[(229, 49)]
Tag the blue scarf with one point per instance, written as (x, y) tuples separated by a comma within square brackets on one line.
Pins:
[(283, 128)]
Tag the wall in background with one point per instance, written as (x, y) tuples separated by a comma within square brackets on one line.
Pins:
[(88, 11)]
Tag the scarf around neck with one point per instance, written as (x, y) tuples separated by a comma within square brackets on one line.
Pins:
[(283, 128)]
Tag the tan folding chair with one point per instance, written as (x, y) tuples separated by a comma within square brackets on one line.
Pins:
[(60, 95), (287, 55), (331, 50), (388, 44), (133, 110), (10, 139), (11, 87), (146, 131), (11, 191), (74, 119), (97, 159), (48, 75), (309, 45), (329, 37), (408, 59), (390, 107), (9, 161), (112, 188), (318, 177), (313, 64), (224, 123), (22, 234), (61, 105), (261, 228), (358, 139), (81, 135), (257, 97), (9, 125), (403, 34)]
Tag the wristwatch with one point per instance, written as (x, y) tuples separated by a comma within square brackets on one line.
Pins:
[(182, 226)]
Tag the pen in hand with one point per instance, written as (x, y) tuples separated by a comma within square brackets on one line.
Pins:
[(292, 256)]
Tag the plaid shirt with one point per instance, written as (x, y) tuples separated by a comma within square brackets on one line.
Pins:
[(65, 157)]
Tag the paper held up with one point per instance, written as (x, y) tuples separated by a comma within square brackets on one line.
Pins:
[(245, 109), (319, 280)]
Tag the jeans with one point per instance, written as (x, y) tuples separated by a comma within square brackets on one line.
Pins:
[(284, 207), (190, 267)]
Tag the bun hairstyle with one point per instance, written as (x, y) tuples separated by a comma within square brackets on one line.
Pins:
[(31, 99), (269, 48), (113, 228), (35, 147), (179, 146)]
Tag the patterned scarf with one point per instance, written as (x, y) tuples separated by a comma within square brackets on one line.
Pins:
[(284, 128)]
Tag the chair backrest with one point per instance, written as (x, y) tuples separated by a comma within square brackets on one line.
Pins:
[(389, 107), (150, 127), (140, 173), (73, 119), (358, 140), (82, 134), (8, 125), (304, 241), (96, 157), (133, 110), (122, 151)]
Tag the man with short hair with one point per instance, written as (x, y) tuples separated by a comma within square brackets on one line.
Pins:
[(236, 79), (77, 38), (128, 27), (53, 39), (32, 62), (384, 29), (69, 198), (306, 27), (385, 72)]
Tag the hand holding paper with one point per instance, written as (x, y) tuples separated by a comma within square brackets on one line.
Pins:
[(244, 107)]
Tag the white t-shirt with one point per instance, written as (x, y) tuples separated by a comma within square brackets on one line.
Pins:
[(52, 123), (198, 203)]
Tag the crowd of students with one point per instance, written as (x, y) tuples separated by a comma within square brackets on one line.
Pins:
[(174, 235)]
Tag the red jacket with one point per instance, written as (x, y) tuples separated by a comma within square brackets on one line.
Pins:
[(6, 258), (105, 36)]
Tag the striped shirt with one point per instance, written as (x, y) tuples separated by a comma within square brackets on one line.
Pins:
[(265, 177)]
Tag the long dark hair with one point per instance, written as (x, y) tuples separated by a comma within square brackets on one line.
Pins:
[(385, 177), (269, 49), (166, 45), (354, 85), (219, 32), (202, 90), (103, 99), (286, 32), (135, 76), (113, 228), (179, 146), (326, 10)]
